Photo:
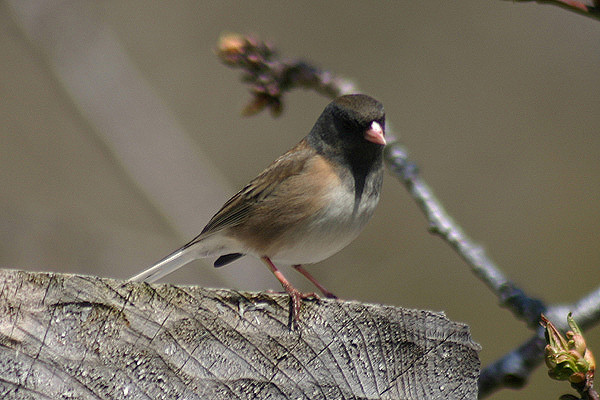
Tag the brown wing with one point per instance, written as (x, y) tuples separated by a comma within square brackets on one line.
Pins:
[(236, 209)]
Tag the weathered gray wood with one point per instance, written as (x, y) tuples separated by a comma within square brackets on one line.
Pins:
[(82, 337)]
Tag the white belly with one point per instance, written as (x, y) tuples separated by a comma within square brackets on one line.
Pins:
[(328, 231)]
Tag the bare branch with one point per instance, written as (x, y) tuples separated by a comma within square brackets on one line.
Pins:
[(270, 77), (440, 223), (514, 368), (587, 310)]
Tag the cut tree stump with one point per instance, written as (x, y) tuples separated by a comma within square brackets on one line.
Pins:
[(83, 337)]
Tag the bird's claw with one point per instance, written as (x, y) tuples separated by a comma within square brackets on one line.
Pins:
[(296, 298)]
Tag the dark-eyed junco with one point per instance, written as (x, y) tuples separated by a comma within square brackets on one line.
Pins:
[(307, 205)]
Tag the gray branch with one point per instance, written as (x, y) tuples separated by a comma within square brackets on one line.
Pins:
[(82, 337)]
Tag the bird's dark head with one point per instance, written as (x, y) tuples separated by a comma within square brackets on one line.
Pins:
[(353, 125)]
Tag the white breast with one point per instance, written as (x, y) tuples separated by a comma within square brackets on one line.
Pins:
[(329, 230)]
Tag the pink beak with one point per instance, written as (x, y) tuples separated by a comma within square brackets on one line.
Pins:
[(375, 134)]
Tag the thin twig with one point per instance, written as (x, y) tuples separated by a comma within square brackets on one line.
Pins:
[(586, 311), (441, 223), (514, 368), (270, 77)]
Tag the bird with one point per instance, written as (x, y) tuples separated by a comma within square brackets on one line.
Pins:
[(307, 205)]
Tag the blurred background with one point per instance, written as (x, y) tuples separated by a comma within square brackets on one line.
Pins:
[(121, 135)]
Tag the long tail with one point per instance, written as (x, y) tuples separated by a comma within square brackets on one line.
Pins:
[(167, 265)]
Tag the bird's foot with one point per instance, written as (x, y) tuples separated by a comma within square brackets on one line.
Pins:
[(296, 298)]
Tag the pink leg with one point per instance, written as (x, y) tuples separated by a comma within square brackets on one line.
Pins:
[(311, 278), (295, 295)]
